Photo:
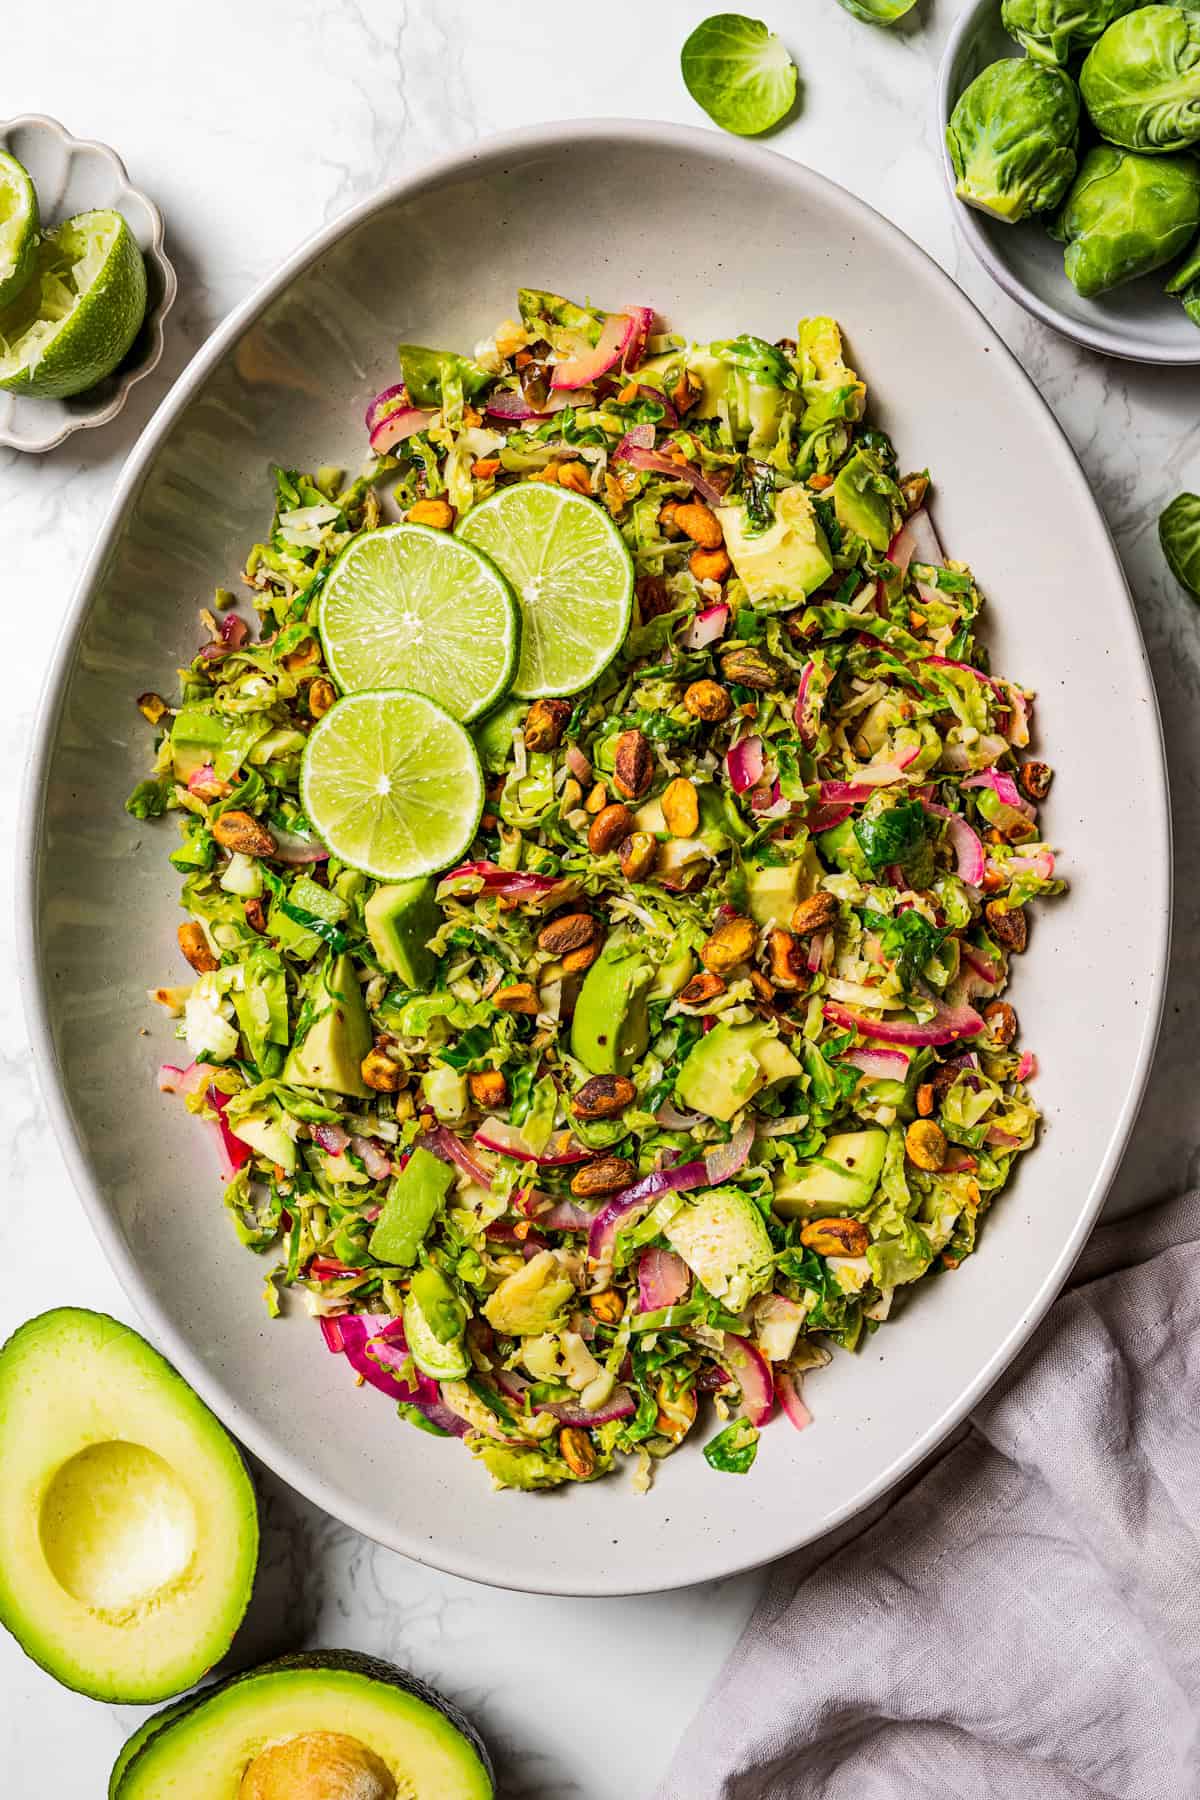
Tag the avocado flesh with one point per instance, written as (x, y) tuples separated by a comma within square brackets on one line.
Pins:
[(128, 1523), (331, 1053), (825, 1191), (196, 738), (415, 1198), (433, 1327), (427, 1746), (267, 1136), (724, 1071), (788, 561), (611, 1027), (144, 1732), (400, 918)]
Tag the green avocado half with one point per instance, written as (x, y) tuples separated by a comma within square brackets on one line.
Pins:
[(310, 1727), (128, 1522)]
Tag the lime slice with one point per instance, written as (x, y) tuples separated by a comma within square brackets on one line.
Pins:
[(572, 576), (739, 72), (410, 607), (18, 227), (79, 311), (392, 784)]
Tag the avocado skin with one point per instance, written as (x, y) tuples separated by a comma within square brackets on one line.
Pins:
[(145, 1732), (350, 1662)]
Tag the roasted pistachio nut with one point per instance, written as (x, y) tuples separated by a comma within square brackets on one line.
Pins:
[(304, 656), (786, 959), (1007, 924), (380, 1073), (575, 1448), (1001, 1022), (570, 931), (242, 832), (152, 707), (609, 829), (753, 668), (730, 944), (608, 1307), (195, 947), (710, 565), (603, 1097), (925, 1144), (255, 915), (518, 997), (652, 596), (701, 989), (836, 1237), (925, 1098), (607, 1175), (708, 700), (681, 807), (488, 1088), (638, 855), (437, 513), (1035, 779), (545, 723), (817, 913), (321, 696), (633, 764), (575, 962), (701, 524)]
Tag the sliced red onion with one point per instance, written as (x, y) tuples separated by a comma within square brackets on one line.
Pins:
[(375, 1348), (744, 764), (397, 426), (443, 1143), (1027, 1068), (1001, 1140), (916, 541), (234, 1154), (501, 881), (752, 1372), (578, 763), (969, 859), (867, 779), (328, 1268), (506, 1140), (617, 336), (791, 1400), (670, 418), (387, 401), (1004, 788), (376, 1164), (948, 1024), (948, 662), (294, 850), (511, 405), (724, 1161), (826, 818), (643, 325), (663, 1279), (982, 965), (670, 1117), (638, 437), (566, 1215), (633, 1201), (1041, 864), (619, 1405), (529, 1245), (706, 627), (639, 455), (958, 1162), (880, 1065), (234, 631), (330, 1137), (816, 951), (767, 801)]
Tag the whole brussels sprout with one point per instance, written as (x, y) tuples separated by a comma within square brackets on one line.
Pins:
[(1141, 82), (1053, 30), (1179, 535), (1012, 138), (1186, 283), (879, 12), (1126, 215)]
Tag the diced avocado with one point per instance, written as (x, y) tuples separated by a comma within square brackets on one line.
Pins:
[(264, 1133), (196, 738), (672, 974), (445, 1089), (649, 816), (772, 892), (860, 500), (494, 734), (724, 1242), (841, 1180), (415, 1198), (331, 1052), (526, 1469), (434, 1321), (731, 1064), (320, 1724), (611, 1028), (400, 919), (782, 565), (128, 1523), (841, 848), (305, 897), (713, 375), (529, 1303)]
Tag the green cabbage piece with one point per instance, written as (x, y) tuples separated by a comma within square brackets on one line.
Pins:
[(1012, 138), (1141, 82), (1126, 215)]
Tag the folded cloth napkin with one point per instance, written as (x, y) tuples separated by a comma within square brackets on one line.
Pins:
[(1024, 1622)]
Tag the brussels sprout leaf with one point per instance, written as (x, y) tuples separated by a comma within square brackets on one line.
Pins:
[(740, 73)]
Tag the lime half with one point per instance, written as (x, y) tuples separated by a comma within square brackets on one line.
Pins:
[(739, 72), (79, 311), (392, 784), (18, 227), (409, 607), (572, 575)]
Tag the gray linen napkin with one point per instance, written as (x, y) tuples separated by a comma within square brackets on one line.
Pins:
[(1024, 1622)]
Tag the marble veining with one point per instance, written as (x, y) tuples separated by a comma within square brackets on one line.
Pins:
[(252, 126)]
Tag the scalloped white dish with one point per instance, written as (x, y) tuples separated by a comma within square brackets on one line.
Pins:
[(579, 209), (73, 175)]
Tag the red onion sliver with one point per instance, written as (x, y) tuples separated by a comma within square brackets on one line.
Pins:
[(791, 1401), (949, 1024)]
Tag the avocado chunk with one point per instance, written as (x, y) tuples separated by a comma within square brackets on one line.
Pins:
[(529, 1303), (611, 1027), (415, 1198), (842, 848), (723, 1240), (400, 918), (434, 1322), (784, 564), (128, 1523), (772, 890), (672, 974), (494, 734), (331, 1052), (862, 499), (264, 1133), (306, 899), (725, 1070), (841, 1180), (311, 1726), (196, 740)]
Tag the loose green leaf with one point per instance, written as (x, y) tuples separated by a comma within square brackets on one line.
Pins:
[(740, 73), (732, 1451)]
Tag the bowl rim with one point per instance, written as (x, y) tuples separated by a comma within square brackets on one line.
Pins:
[(1108, 341), (460, 1559), (155, 315)]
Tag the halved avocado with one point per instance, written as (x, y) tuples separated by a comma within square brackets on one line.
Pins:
[(146, 1730), (128, 1523), (325, 1726)]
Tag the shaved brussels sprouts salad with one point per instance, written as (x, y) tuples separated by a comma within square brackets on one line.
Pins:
[(695, 1058)]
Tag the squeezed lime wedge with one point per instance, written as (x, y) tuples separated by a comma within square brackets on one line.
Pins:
[(78, 312), (18, 227)]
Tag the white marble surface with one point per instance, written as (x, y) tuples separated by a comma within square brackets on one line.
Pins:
[(251, 124)]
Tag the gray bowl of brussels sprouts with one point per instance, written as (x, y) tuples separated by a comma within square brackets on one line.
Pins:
[(1072, 155)]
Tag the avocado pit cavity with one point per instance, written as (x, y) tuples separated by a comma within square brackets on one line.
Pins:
[(319, 1765), (117, 1527)]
